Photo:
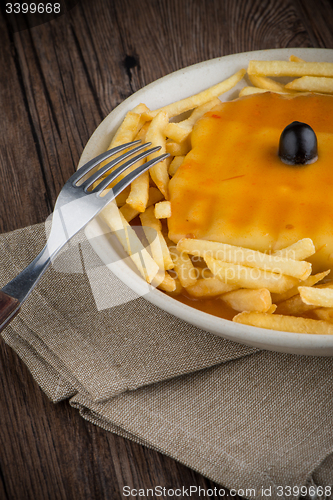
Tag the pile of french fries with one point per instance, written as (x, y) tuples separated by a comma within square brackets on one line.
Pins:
[(313, 77), (269, 290)]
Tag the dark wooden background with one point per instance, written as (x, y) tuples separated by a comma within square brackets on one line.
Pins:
[(57, 82)]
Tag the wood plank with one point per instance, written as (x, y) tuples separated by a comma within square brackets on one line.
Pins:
[(20, 158), (317, 17)]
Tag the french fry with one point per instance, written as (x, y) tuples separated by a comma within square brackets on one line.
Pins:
[(168, 284), (256, 90), (248, 300), (288, 68), (163, 210), (122, 197), (130, 242), (319, 84), (324, 313), (300, 250), (293, 306), (176, 148), (183, 267), (152, 228), (138, 196), (209, 287), (131, 125), (178, 288), (127, 131), (177, 132), (285, 323), (247, 277), (179, 107), (251, 90), (175, 164), (203, 272), (148, 219), (168, 161), (266, 83), (245, 256), (181, 130), (155, 135), (310, 281), (130, 213), (320, 297), (159, 247)]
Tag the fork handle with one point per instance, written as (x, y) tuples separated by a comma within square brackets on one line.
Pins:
[(9, 307)]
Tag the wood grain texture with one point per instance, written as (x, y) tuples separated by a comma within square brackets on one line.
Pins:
[(57, 82)]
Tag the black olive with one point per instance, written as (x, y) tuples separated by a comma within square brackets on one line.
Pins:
[(298, 144)]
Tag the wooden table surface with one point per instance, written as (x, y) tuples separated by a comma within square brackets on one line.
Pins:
[(58, 81)]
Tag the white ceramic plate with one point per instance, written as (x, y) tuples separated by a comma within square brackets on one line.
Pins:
[(170, 88)]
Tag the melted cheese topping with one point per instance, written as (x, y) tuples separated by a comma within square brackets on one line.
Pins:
[(232, 187)]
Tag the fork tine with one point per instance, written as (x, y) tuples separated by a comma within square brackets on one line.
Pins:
[(113, 175), (123, 183), (97, 175), (85, 169)]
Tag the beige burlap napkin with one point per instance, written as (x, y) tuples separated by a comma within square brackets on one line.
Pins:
[(249, 420)]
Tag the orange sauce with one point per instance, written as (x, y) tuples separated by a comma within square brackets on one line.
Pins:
[(213, 306), (232, 186)]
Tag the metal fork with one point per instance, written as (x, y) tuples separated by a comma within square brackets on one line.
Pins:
[(74, 208)]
